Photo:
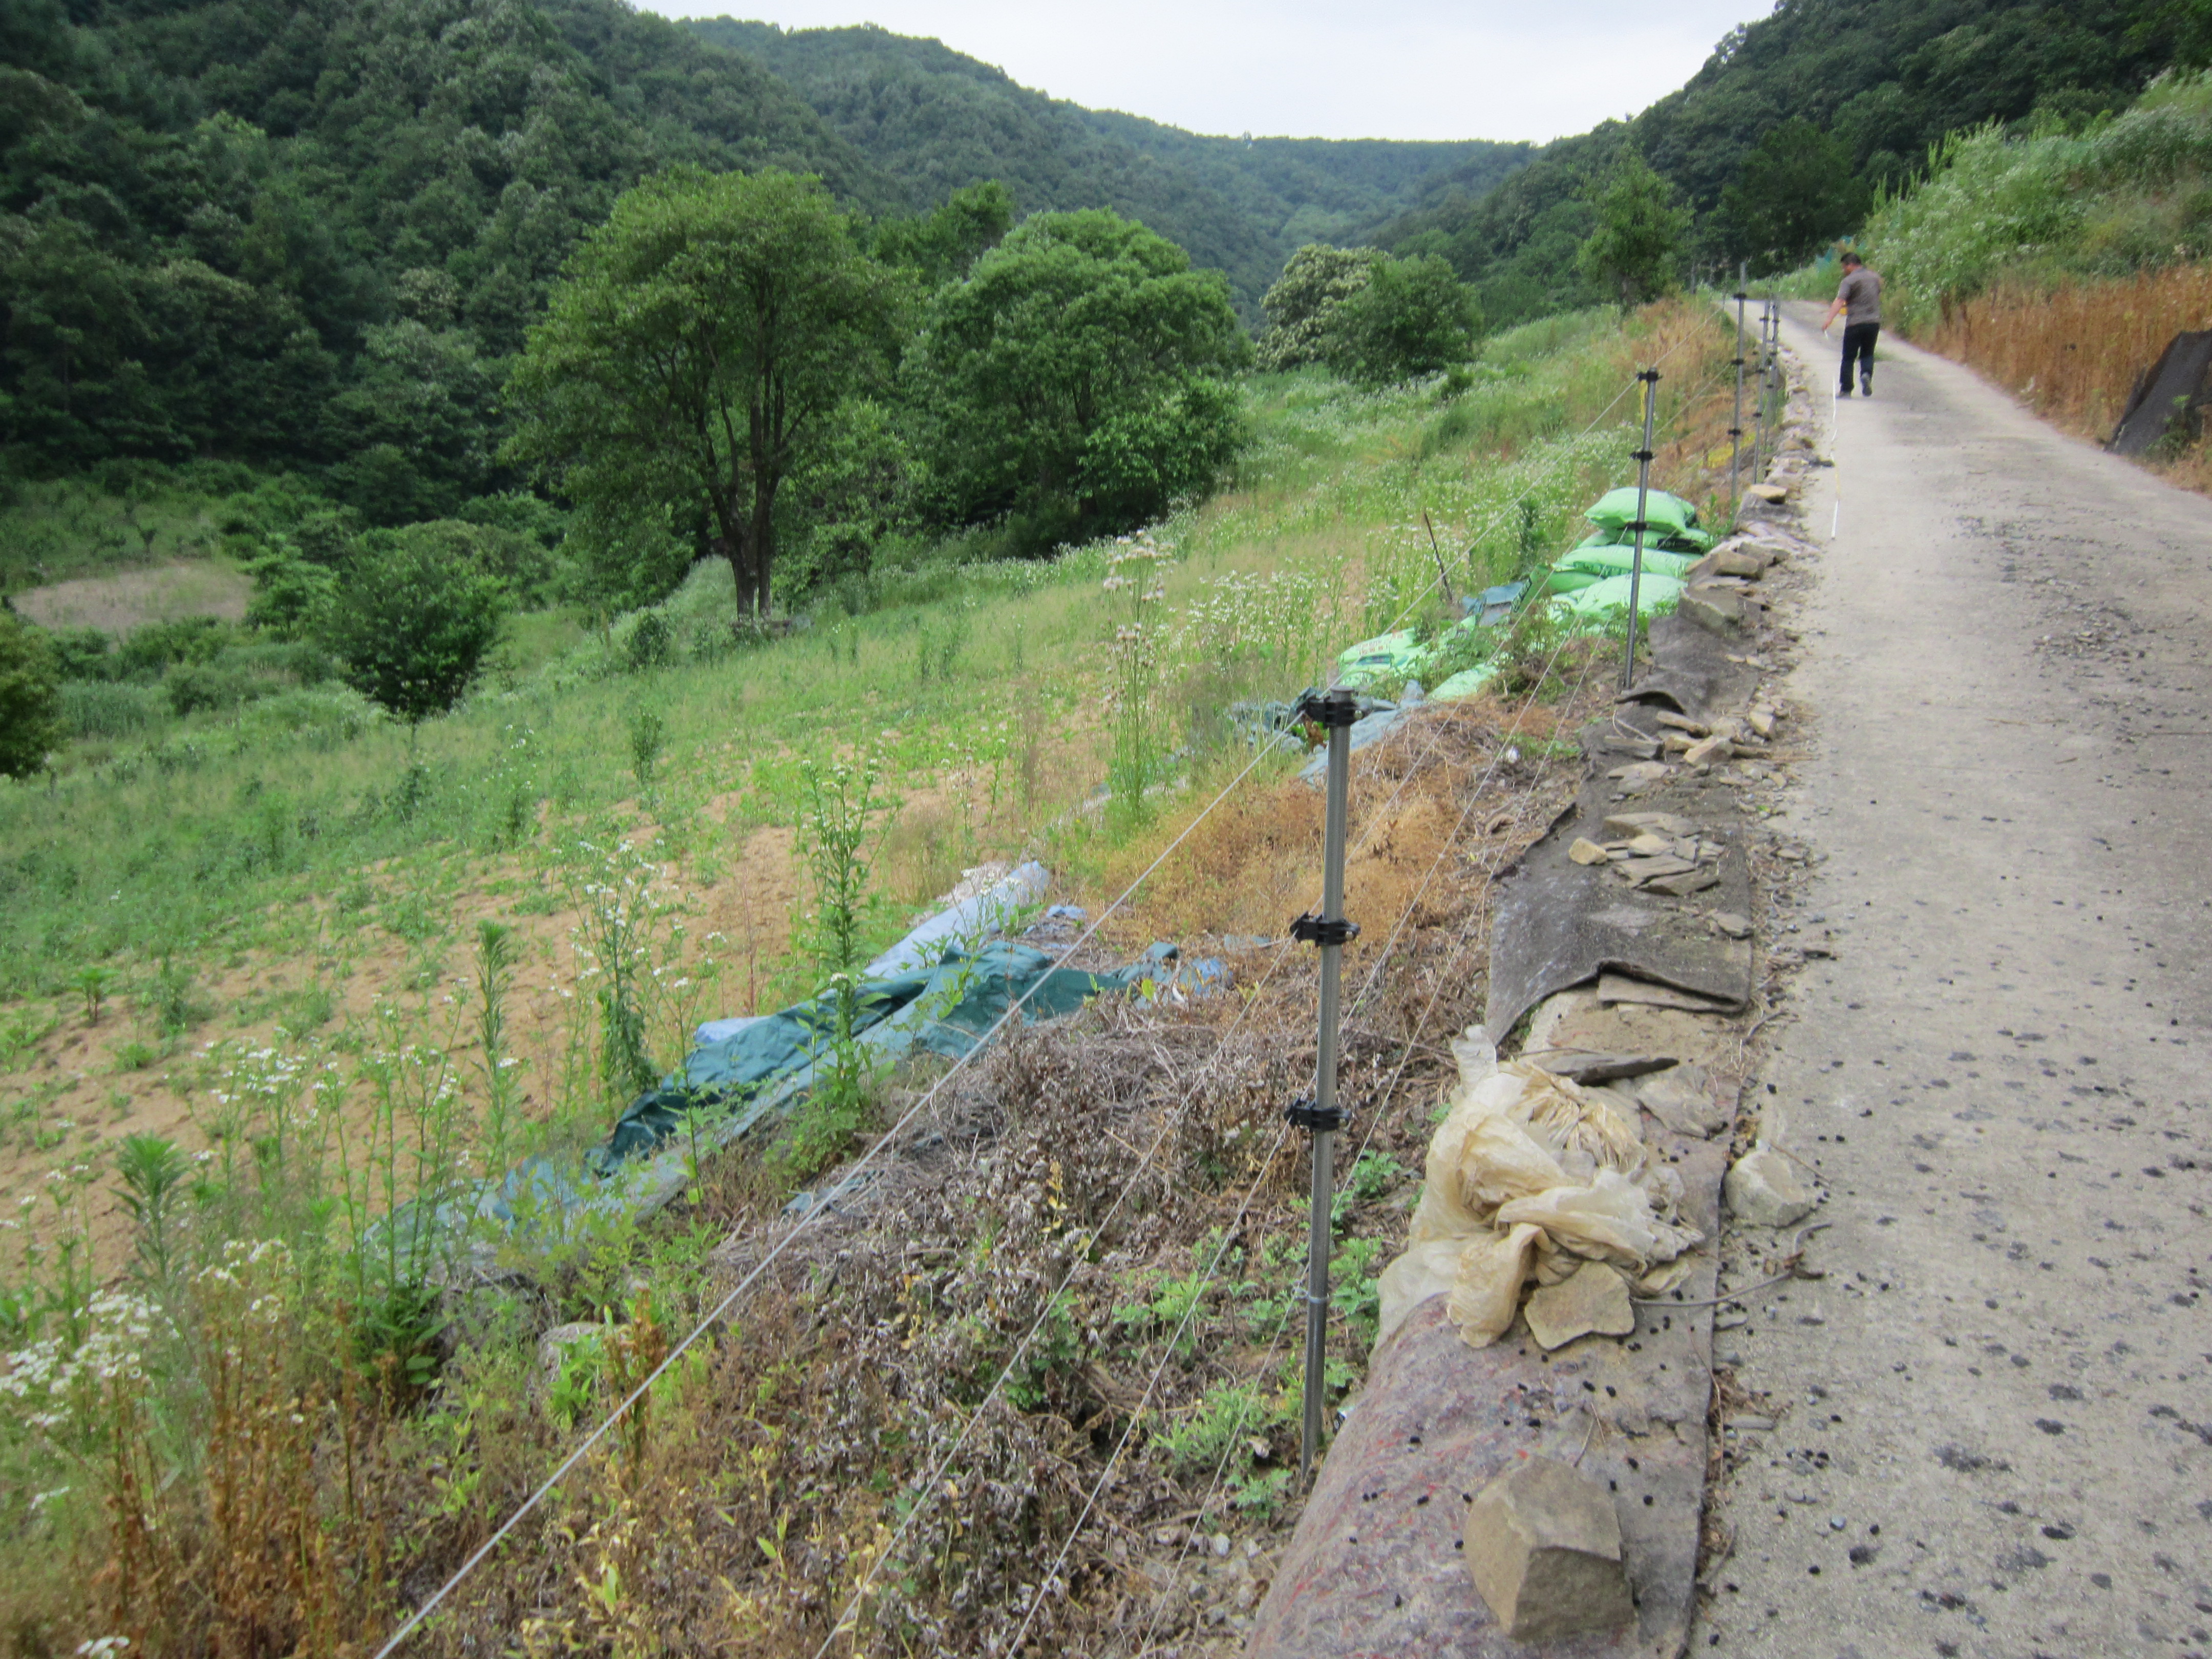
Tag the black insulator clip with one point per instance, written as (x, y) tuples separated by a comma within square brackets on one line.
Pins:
[(1310, 929), (1304, 1115), (1332, 708)]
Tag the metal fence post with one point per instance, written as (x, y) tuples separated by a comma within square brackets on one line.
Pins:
[(1650, 379), (1320, 1116), (1736, 423)]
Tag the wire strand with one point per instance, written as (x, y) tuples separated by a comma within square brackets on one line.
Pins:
[(416, 1619)]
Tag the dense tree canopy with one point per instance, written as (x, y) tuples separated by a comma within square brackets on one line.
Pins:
[(1410, 317), (697, 353), (1315, 281), (1635, 252), (937, 120), (1798, 192), (1074, 381), (1887, 78), (30, 699), (415, 619)]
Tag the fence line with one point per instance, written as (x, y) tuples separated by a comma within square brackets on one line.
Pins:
[(416, 1620)]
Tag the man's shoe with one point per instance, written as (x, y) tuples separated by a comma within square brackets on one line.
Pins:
[(1843, 392)]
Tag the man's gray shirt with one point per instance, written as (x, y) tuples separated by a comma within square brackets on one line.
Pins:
[(1861, 296)]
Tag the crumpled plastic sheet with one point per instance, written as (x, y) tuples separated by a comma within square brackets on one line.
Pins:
[(1529, 1175)]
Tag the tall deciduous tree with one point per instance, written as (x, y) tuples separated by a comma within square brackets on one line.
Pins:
[(1411, 317), (1315, 281), (1798, 190), (695, 353), (1076, 382), (1635, 254), (30, 699)]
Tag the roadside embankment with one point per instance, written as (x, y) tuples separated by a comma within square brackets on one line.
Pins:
[(1528, 1461)]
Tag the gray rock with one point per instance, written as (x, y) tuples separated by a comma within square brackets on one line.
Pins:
[(1682, 1099), (1591, 1300), (1543, 1545), (1685, 883), (1764, 1189), (1716, 609), (1626, 826)]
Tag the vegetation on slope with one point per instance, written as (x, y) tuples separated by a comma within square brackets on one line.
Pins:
[(1776, 142), (2059, 263), (937, 120), (353, 964)]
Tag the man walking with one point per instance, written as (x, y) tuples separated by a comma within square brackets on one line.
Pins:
[(1858, 301)]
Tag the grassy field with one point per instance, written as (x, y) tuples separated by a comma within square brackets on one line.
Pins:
[(272, 972)]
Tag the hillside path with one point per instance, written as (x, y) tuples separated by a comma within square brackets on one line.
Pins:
[(1994, 1413)]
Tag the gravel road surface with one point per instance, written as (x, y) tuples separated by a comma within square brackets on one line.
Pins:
[(1993, 1415)]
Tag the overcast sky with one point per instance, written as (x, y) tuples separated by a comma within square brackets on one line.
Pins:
[(1332, 69)]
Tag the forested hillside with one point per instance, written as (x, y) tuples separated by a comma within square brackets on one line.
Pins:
[(1778, 141), (937, 120), (291, 233)]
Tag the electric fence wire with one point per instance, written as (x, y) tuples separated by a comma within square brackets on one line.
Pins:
[(1412, 1043), (1137, 1413), (416, 1620), (927, 1489)]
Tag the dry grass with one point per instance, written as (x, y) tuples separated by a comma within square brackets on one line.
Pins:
[(1091, 1166), (119, 604), (2073, 352)]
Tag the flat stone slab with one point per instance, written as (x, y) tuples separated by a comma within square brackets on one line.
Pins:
[(1559, 923), (1377, 1564)]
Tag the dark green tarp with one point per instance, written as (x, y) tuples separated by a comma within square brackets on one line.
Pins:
[(946, 1010)]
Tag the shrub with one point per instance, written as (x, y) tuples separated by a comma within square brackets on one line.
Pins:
[(414, 618), (1411, 317), (30, 699), (103, 709)]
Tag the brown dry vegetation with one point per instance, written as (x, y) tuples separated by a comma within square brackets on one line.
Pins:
[(1097, 1167), (2073, 351), (119, 604), (1094, 1180)]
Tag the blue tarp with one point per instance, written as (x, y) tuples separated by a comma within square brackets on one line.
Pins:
[(945, 1009)]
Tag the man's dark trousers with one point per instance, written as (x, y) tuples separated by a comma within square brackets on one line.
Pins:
[(1858, 342)]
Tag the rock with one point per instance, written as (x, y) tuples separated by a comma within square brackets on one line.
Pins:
[(1586, 851), (1641, 775), (1680, 722), (1684, 885), (1674, 743), (1708, 750), (1731, 924), (1767, 492), (1760, 719), (1627, 825), (1764, 1189), (1637, 871), (1738, 561), (1647, 845), (1682, 1099), (1592, 1298), (1713, 609), (1614, 988), (1543, 1545)]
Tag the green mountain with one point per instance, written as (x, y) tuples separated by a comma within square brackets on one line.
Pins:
[(936, 121), (1801, 112), (305, 231)]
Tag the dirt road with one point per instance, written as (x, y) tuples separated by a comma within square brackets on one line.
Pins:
[(1993, 1416)]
